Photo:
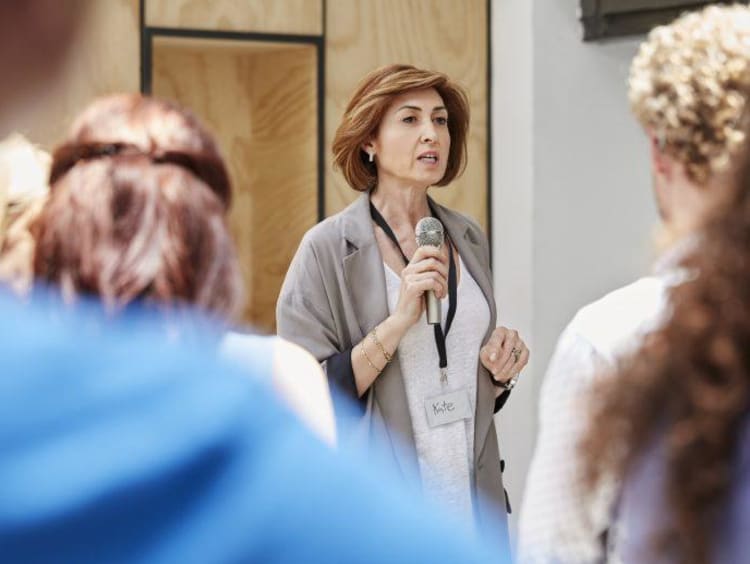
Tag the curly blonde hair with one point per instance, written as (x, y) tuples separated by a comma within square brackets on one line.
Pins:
[(24, 169), (688, 86)]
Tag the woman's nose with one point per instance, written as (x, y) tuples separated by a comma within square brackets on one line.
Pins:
[(428, 134)]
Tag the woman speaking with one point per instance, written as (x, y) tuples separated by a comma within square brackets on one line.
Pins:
[(355, 296)]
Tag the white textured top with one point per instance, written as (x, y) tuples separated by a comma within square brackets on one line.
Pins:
[(555, 523), (445, 453)]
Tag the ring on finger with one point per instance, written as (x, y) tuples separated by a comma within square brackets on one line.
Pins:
[(516, 354)]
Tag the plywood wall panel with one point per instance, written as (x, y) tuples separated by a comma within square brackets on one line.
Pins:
[(443, 35), (260, 100), (267, 16)]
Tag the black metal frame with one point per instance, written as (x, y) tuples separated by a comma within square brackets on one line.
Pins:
[(489, 126), (604, 19), (148, 34)]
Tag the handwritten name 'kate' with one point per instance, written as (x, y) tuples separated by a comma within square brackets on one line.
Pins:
[(443, 407)]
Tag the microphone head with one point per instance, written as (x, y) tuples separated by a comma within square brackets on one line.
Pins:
[(429, 231)]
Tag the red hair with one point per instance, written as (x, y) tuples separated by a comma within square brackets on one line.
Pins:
[(139, 194), (369, 104)]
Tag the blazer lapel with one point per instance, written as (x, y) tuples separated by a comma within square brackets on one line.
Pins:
[(365, 279), (473, 257)]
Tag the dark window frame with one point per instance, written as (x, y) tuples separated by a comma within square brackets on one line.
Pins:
[(604, 19)]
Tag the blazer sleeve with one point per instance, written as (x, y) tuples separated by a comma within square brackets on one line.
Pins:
[(305, 317)]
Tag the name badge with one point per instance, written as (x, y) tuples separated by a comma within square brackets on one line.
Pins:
[(447, 408)]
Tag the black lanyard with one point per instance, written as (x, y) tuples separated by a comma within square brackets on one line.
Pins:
[(440, 335)]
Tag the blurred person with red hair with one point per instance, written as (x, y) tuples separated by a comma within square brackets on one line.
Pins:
[(142, 186), (118, 443)]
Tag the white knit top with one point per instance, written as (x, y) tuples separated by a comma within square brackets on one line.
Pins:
[(445, 453)]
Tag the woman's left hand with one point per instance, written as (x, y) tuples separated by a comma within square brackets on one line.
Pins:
[(504, 355)]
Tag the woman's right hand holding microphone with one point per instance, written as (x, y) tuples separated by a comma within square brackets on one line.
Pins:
[(427, 270)]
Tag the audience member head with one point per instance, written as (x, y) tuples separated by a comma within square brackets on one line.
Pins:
[(24, 170), (688, 88), (138, 198)]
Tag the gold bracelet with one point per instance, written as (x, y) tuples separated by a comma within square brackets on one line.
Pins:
[(374, 337), (367, 358)]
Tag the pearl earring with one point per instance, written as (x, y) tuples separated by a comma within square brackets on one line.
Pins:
[(372, 156)]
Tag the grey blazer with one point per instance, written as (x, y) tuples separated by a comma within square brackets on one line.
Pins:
[(335, 293)]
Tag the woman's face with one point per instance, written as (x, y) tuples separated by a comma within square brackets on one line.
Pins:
[(412, 143)]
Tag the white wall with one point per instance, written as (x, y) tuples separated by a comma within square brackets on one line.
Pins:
[(512, 219), (572, 207)]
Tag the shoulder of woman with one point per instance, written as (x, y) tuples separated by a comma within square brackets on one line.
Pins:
[(295, 357), (249, 350), (476, 233), (472, 224), (462, 218), (327, 237), (300, 380), (324, 233)]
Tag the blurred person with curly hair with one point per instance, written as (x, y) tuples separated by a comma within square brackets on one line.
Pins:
[(672, 425), (688, 88)]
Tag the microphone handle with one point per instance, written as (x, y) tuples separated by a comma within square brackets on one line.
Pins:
[(433, 308)]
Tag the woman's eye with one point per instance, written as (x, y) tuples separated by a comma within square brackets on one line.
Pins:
[(441, 120), (409, 119)]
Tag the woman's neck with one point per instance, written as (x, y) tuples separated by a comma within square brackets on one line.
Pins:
[(401, 205)]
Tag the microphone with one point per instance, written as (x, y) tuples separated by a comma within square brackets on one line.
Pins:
[(429, 231)]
